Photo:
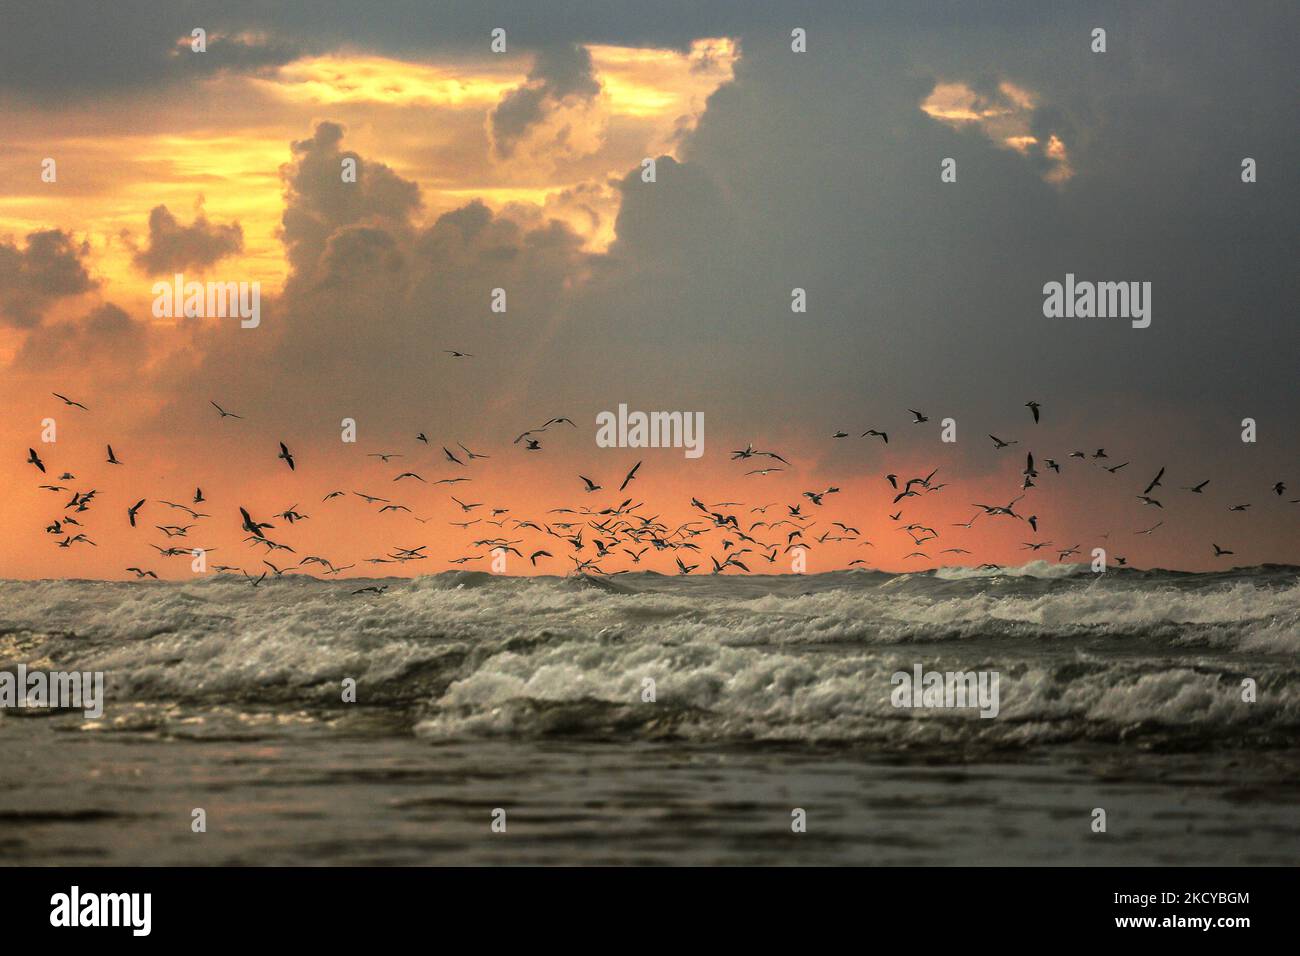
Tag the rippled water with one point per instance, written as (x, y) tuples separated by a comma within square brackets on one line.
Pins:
[(1121, 691)]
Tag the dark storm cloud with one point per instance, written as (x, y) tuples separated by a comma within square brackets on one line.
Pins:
[(374, 299), (49, 52), (175, 247), (815, 170), (105, 336), (319, 201), (558, 74), (49, 268)]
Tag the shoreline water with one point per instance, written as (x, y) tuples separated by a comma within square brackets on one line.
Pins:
[(1126, 693)]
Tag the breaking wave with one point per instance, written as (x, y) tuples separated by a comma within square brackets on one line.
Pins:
[(1150, 655)]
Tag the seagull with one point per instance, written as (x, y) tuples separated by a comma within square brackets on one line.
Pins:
[(35, 459), (253, 527), (422, 437), (591, 485), (539, 554), (68, 401), (999, 443), (1239, 507), (384, 456), (1051, 463), (1279, 489), (1218, 551), (472, 455), (1150, 529), (143, 574), (190, 511), (1155, 482), (1197, 489), (130, 513), (454, 354), (224, 413), (198, 496), (918, 417), (630, 476), (409, 474), (876, 434), (840, 435), (450, 456), (288, 458), (466, 507), (1033, 407), (1116, 468), (112, 460), (995, 510)]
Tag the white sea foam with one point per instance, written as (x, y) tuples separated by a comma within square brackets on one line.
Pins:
[(746, 658)]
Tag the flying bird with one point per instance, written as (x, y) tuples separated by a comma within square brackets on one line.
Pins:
[(288, 458), (630, 475)]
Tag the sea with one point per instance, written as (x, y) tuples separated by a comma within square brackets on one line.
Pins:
[(460, 718)]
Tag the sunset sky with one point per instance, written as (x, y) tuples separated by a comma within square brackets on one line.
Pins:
[(522, 170)]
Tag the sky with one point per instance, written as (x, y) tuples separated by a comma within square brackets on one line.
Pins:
[(522, 170)]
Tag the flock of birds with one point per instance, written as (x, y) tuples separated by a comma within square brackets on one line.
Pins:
[(594, 539)]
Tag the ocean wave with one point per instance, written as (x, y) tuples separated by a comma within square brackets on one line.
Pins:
[(778, 658)]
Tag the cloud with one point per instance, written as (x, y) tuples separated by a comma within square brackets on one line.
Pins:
[(318, 201), (49, 268), (104, 336), (174, 247), (559, 87), (1009, 115)]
